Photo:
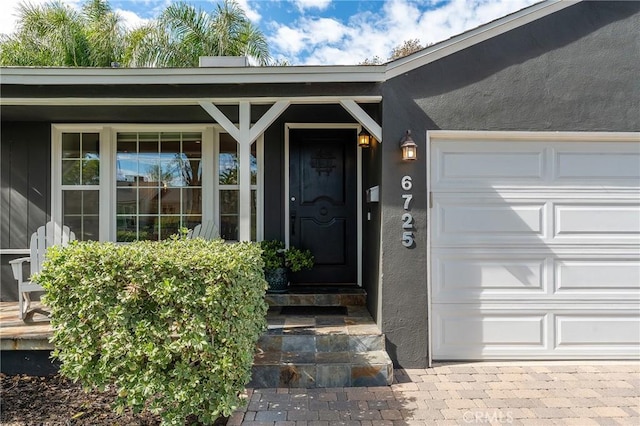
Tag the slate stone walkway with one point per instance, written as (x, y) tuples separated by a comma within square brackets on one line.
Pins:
[(534, 393)]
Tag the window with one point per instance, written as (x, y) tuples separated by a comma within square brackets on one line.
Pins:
[(228, 186), (159, 184), (80, 180), (144, 182)]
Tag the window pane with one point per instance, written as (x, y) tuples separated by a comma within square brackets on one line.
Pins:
[(192, 201), (169, 225), (170, 142), (127, 228), (126, 201), (170, 201), (148, 200), (90, 145), (71, 172), (229, 214), (228, 161), (191, 145), (190, 222), (80, 213), (71, 145), (254, 218), (91, 202), (91, 172), (148, 227), (71, 203), (254, 164), (90, 228)]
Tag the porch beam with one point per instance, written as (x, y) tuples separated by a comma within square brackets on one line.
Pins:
[(268, 118), (221, 119), (363, 118)]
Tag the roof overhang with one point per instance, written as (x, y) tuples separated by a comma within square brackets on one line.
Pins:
[(232, 75)]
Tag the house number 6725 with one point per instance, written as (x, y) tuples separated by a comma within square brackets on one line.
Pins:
[(407, 219)]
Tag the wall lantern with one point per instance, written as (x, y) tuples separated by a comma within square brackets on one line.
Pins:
[(364, 139), (408, 146)]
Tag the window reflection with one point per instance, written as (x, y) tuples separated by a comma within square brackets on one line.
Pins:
[(151, 169)]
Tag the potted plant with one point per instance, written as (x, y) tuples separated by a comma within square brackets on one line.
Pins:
[(278, 261)]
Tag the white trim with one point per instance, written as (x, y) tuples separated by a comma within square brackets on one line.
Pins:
[(224, 75), (221, 119), (363, 118), (429, 268), (534, 136), (287, 224), (475, 36), (10, 252), (267, 119), (260, 189), (209, 174), (75, 101), (244, 171)]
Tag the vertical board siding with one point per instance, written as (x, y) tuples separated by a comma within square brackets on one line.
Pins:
[(26, 191)]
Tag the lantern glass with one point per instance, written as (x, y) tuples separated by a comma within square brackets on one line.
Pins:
[(364, 140), (409, 152)]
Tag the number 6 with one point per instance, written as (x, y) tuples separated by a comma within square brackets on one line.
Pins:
[(406, 183)]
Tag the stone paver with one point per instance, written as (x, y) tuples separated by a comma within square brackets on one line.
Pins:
[(533, 393)]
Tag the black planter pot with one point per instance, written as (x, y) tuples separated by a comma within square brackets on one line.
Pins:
[(277, 279)]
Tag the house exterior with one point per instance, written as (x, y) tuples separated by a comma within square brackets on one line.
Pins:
[(515, 234)]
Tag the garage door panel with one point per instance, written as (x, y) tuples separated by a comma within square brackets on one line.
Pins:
[(589, 331), (479, 274), (597, 220), (492, 219), (468, 277), (525, 331), (598, 277), (490, 166), (589, 163), (465, 327)]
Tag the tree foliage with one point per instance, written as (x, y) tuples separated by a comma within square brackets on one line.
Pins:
[(406, 48), (54, 34), (171, 325)]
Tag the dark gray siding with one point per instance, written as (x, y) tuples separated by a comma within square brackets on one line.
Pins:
[(25, 190), (574, 70)]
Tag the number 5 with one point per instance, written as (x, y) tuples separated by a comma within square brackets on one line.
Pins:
[(407, 239)]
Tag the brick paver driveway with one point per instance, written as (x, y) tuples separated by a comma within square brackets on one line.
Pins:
[(540, 393)]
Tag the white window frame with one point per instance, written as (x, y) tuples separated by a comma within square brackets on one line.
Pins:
[(108, 138)]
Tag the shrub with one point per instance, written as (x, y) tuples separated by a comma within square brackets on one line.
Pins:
[(171, 324)]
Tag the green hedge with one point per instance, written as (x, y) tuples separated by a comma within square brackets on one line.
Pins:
[(172, 324)]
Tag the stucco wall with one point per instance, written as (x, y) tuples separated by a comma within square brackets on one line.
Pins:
[(575, 70)]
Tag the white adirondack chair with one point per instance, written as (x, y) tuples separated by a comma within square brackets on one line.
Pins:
[(46, 236), (207, 230)]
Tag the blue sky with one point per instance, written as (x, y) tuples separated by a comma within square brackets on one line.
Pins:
[(330, 32)]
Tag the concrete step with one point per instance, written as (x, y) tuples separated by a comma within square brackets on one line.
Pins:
[(319, 296)]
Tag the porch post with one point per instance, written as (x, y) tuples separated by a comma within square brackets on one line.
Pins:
[(244, 172)]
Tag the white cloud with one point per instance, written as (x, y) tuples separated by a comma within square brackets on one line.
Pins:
[(131, 19), (253, 15), (368, 34), (312, 4), (9, 19)]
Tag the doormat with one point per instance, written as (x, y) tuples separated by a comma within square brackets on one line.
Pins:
[(314, 310)]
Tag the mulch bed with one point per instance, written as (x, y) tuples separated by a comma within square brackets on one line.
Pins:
[(53, 400)]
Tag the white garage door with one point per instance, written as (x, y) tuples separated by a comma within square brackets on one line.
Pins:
[(535, 246)]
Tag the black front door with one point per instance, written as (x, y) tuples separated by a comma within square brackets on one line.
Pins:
[(322, 203)]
